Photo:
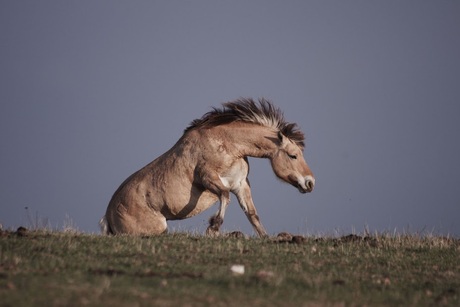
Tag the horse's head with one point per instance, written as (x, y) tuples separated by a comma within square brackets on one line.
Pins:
[(289, 165)]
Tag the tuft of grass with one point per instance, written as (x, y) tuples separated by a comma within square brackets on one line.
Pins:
[(36, 222), (68, 268)]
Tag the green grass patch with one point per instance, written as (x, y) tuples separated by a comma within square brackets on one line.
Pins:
[(57, 268)]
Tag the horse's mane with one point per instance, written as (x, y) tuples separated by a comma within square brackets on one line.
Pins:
[(262, 113)]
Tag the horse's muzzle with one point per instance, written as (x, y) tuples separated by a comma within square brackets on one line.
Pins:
[(306, 186)]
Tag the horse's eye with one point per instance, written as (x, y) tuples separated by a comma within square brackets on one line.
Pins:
[(292, 156)]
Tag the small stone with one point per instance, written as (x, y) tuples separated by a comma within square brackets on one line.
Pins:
[(237, 269)]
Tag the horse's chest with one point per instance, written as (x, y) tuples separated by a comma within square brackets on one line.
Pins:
[(235, 175)]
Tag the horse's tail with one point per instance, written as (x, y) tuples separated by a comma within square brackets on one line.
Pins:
[(105, 227)]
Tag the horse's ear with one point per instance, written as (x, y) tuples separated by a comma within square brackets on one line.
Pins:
[(280, 137)]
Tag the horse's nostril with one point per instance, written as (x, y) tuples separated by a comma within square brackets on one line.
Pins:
[(310, 184)]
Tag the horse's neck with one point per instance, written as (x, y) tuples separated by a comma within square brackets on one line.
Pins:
[(253, 140)]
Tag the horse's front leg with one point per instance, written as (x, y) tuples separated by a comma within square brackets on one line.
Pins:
[(213, 183), (216, 220), (245, 199)]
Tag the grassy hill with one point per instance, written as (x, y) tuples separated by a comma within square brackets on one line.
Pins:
[(58, 268)]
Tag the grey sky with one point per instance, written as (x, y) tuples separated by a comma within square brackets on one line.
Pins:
[(91, 91)]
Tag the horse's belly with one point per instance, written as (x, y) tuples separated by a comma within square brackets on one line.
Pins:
[(195, 204)]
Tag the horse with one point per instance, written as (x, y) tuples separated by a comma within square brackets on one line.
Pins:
[(207, 163)]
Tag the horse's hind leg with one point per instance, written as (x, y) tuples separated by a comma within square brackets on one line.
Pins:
[(136, 222)]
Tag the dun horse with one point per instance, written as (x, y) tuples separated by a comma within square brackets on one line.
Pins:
[(207, 164)]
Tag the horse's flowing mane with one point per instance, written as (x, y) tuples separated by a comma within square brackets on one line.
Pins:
[(263, 113)]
